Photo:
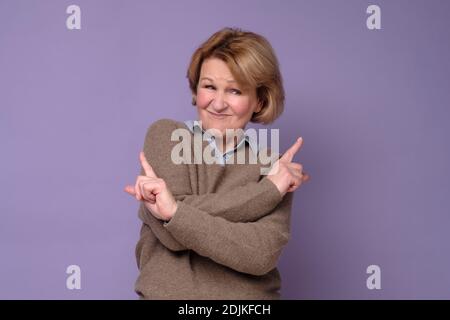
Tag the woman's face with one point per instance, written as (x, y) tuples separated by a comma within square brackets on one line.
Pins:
[(221, 102)]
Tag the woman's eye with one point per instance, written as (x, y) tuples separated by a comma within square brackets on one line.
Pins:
[(233, 91)]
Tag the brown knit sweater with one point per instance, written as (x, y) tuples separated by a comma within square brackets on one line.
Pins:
[(226, 236)]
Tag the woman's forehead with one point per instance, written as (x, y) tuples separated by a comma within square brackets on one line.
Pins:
[(216, 69)]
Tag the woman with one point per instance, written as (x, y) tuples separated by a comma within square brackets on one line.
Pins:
[(216, 230)]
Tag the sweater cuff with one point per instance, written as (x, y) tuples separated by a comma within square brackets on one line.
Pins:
[(181, 220), (272, 190)]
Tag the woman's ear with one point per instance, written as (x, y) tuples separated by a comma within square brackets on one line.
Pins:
[(258, 107), (194, 100)]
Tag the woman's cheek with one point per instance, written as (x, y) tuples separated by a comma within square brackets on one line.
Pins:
[(241, 105), (203, 99)]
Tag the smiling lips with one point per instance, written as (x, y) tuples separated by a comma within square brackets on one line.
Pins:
[(218, 116)]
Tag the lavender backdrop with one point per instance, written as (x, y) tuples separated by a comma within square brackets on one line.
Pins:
[(372, 106)]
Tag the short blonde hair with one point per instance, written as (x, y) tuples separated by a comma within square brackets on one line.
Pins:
[(252, 62)]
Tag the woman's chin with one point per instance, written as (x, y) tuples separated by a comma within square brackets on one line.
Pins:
[(217, 131)]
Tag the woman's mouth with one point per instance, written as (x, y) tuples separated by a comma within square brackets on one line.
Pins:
[(218, 115)]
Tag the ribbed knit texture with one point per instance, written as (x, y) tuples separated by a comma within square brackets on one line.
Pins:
[(226, 236)]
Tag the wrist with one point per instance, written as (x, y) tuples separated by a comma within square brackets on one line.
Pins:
[(275, 182), (172, 212)]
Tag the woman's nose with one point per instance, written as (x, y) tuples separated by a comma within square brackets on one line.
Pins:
[(219, 104)]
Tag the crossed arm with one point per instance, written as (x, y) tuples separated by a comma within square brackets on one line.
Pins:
[(246, 203), (244, 228), (247, 246)]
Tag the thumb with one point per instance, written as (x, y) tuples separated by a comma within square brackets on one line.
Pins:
[(130, 190)]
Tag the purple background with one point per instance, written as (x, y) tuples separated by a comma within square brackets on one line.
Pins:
[(372, 106)]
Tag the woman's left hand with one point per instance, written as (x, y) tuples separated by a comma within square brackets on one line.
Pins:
[(154, 192)]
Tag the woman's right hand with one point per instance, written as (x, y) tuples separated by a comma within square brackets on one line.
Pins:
[(287, 175), (153, 192)]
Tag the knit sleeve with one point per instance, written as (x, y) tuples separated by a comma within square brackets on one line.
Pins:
[(245, 203), (157, 147), (248, 247), (242, 204)]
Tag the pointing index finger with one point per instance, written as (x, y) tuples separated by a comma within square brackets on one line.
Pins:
[(147, 167), (290, 153)]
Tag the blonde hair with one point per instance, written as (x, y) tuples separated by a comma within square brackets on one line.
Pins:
[(252, 62)]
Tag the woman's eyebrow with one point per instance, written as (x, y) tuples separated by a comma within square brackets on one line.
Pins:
[(207, 78)]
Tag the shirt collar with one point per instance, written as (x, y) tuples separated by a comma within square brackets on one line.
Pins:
[(194, 125)]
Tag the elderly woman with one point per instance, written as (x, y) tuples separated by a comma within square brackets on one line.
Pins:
[(216, 230)]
